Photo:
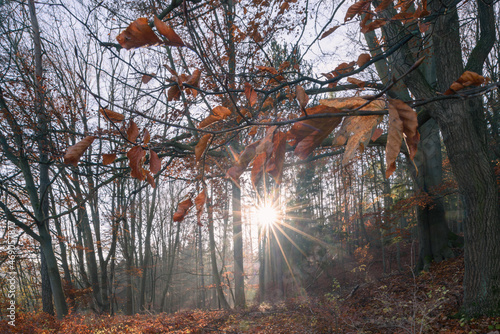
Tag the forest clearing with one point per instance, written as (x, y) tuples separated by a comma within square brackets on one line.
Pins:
[(234, 166)]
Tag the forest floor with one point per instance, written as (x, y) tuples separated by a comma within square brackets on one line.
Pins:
[(396, 303)]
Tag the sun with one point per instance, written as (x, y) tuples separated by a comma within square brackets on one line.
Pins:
[(266, 215)]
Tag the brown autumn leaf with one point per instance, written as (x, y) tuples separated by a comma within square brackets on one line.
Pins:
[(394, 137), (201, 147), (75, 152), (248, 154), (235, 172), (209, 120), (174, 93), (136, 156), (356, 130), (199, 202), (147, 78), (172, 38), (309, 134), (423, 27), (258, 168), (268, 69), (112, 116), (352, 103), (151, 180), (193, 80), (277, 159), (404, 17), (147, 137), (268, 103), (359, 131), (363, 59), (154, 162), (357, 82), (376, 134), (468, 78), (251, 94), (357, 8), (266, 144), (132, 131), (253, 131), (344, 68), (407, 115), (182, 210), (375, 24), (329, 32), (137, 34), (221, 112), (302, 97), (108, 159), (383, 5)]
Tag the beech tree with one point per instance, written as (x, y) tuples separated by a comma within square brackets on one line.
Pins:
[(203, 98)]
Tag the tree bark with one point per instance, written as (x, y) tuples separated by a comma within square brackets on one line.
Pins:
[(239, 278), (43, 199), (460, 124)]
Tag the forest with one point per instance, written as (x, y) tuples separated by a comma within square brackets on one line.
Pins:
[(250, 166)]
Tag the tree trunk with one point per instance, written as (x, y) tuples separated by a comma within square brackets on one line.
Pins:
[(239, 278), (213, 259), (43, 204), (463, 135)]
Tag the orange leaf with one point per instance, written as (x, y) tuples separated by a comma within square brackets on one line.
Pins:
[(132, 131), (221, 112), (356, 9), (407, 115), (363, 59), (75, 152), (251, 94), (329, 32), (268, 69), (182, 210), (359, 131), (150, 179), (253, 131), (172, 38), (193, 80), (108, 159), (201, 146), (468, 78), (357, 82), (147, 137), (147, 78), (258, 168), (310, 134), (136, 157), (199, 201), (302, 97), (394, 137), (111, 115), (209, 120), (352, 103), (137, 34), (277, 159), (154, 162)]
